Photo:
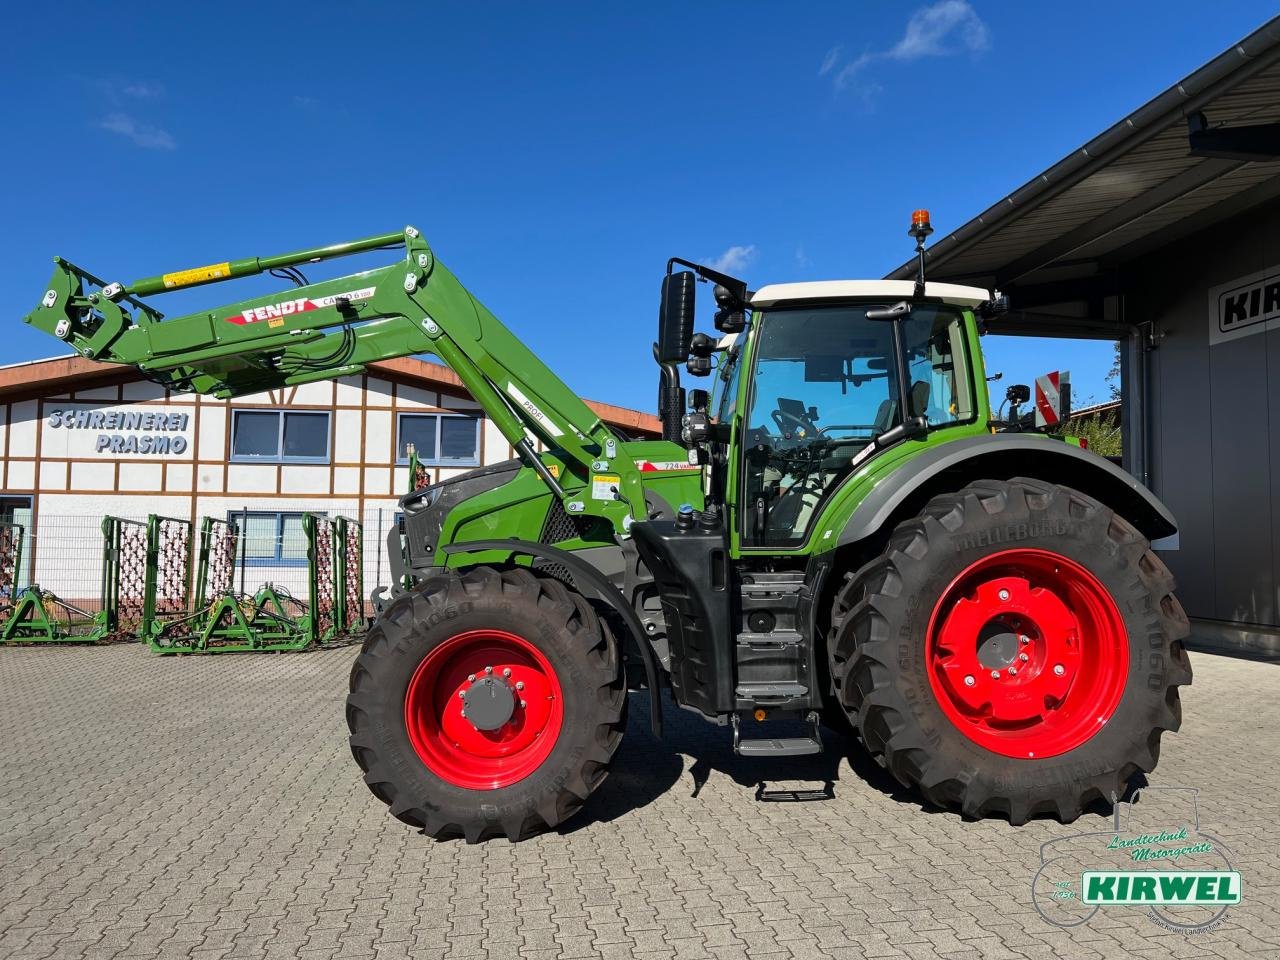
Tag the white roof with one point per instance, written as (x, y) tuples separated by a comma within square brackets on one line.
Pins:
[(955, 293)]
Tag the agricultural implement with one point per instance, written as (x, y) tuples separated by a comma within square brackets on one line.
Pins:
[(37, 615), (834, 533), (218, 619)]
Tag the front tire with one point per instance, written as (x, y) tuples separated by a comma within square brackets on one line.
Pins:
[(488, 702), (1016, 650)]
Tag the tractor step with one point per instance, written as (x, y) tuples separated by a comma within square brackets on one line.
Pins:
[(779, 746), (766, 694)]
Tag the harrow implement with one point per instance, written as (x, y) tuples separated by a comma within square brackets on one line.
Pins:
[(36, 615)]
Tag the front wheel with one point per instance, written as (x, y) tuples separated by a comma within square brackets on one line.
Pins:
[(1016, 650), (489, 702)]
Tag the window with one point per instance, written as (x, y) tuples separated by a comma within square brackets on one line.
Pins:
[(440, 439), (933, 337), (271, 538), (826, 382), (280, 436)]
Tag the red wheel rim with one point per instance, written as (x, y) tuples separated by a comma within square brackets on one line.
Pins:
[(480, 668), (1027, 653)]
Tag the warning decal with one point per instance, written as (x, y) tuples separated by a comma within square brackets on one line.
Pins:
[(1049, 390), (604, 486), (184, 278)]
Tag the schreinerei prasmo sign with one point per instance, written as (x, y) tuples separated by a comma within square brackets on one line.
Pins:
[(1245, 306), (95, 432)]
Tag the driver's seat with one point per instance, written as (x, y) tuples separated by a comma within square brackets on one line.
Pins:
[(886, 414)]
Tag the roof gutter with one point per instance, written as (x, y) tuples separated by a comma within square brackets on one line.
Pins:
[(1255, 52)]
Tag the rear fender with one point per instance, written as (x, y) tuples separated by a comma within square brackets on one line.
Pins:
[(946, 467)]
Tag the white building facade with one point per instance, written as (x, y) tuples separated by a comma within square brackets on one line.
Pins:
[(82, 440)]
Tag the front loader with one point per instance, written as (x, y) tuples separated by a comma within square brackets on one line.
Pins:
[(833, 533)]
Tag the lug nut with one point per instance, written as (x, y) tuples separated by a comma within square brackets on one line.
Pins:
[(522, 704), (519, 684), (1013, 671), (471, 678), (462, 694), (1024, 639), (995, 674), (1023, 657), (1004, 594), (488, 670), (969, 681), (1059, 669), (506, 671)]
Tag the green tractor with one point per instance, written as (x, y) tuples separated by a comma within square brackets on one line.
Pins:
[(834, 534)]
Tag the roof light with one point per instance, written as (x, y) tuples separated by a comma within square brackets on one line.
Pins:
[(918, 217)]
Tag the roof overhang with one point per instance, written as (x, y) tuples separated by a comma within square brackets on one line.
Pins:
[(782, 293), (1146, 181)]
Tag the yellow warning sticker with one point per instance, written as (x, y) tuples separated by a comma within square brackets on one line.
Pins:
[(555, 470), (604, 486), (184, 278)]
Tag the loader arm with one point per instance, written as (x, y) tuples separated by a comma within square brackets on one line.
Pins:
[(334, 328)]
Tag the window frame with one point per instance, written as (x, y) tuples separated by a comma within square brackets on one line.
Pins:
[(438, 461), (279, 560), (280, 456)]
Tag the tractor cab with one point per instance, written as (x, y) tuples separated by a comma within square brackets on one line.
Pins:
[(812, 380)]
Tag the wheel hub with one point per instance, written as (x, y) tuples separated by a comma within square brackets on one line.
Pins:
[(483, 709), (488, 703), (1027, 653)]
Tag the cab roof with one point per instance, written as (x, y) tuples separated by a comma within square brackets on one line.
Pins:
[(953, 293)]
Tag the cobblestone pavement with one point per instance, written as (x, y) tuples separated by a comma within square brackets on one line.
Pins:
[(208, 807)]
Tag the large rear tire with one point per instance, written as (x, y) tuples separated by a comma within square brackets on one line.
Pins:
[(1016, 650), (539, 675)]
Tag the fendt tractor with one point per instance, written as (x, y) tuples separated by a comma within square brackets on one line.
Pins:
[(836, 534)]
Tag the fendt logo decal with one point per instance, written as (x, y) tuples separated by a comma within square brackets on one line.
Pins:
[(274, 313), (1245, 306)]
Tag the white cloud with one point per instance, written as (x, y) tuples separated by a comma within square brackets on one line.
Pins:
[(945, 28), (143, 135), (830, 60), (142, 90), (734, 259), (802, 259)]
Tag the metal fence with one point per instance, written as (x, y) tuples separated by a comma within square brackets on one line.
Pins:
[(63, 554)]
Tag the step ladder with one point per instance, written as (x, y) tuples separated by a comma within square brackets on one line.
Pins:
[(779, 746)]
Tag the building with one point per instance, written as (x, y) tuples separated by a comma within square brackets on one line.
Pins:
[(81, 440), (1161, 232)]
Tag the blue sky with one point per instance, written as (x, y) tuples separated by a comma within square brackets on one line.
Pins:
[(556, 154)]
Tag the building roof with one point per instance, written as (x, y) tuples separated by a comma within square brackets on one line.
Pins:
[(75, 372), (1107, 406), (776, 293), (1133, 188)]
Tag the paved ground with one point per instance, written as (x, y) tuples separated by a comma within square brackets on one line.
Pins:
[(208, 807)]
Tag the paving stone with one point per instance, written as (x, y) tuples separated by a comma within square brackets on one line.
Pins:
[(208, 808)]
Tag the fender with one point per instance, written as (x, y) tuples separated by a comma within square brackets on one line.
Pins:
[(1003, 456), (586, 575)]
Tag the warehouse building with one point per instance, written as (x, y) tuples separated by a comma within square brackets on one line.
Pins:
[(82, 440), (1163, 232)]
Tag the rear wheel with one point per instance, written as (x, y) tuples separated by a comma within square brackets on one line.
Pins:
[(490, 702), (1015, 650)]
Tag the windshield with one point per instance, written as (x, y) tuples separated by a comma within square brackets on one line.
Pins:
[(825, 385)]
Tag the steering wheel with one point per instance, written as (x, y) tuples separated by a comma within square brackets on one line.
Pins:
[(804, 423)]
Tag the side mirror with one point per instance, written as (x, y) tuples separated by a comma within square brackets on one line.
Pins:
[(1018, 394), (675, 316)]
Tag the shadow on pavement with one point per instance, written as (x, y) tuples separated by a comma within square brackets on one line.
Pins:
[(645, 767)]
